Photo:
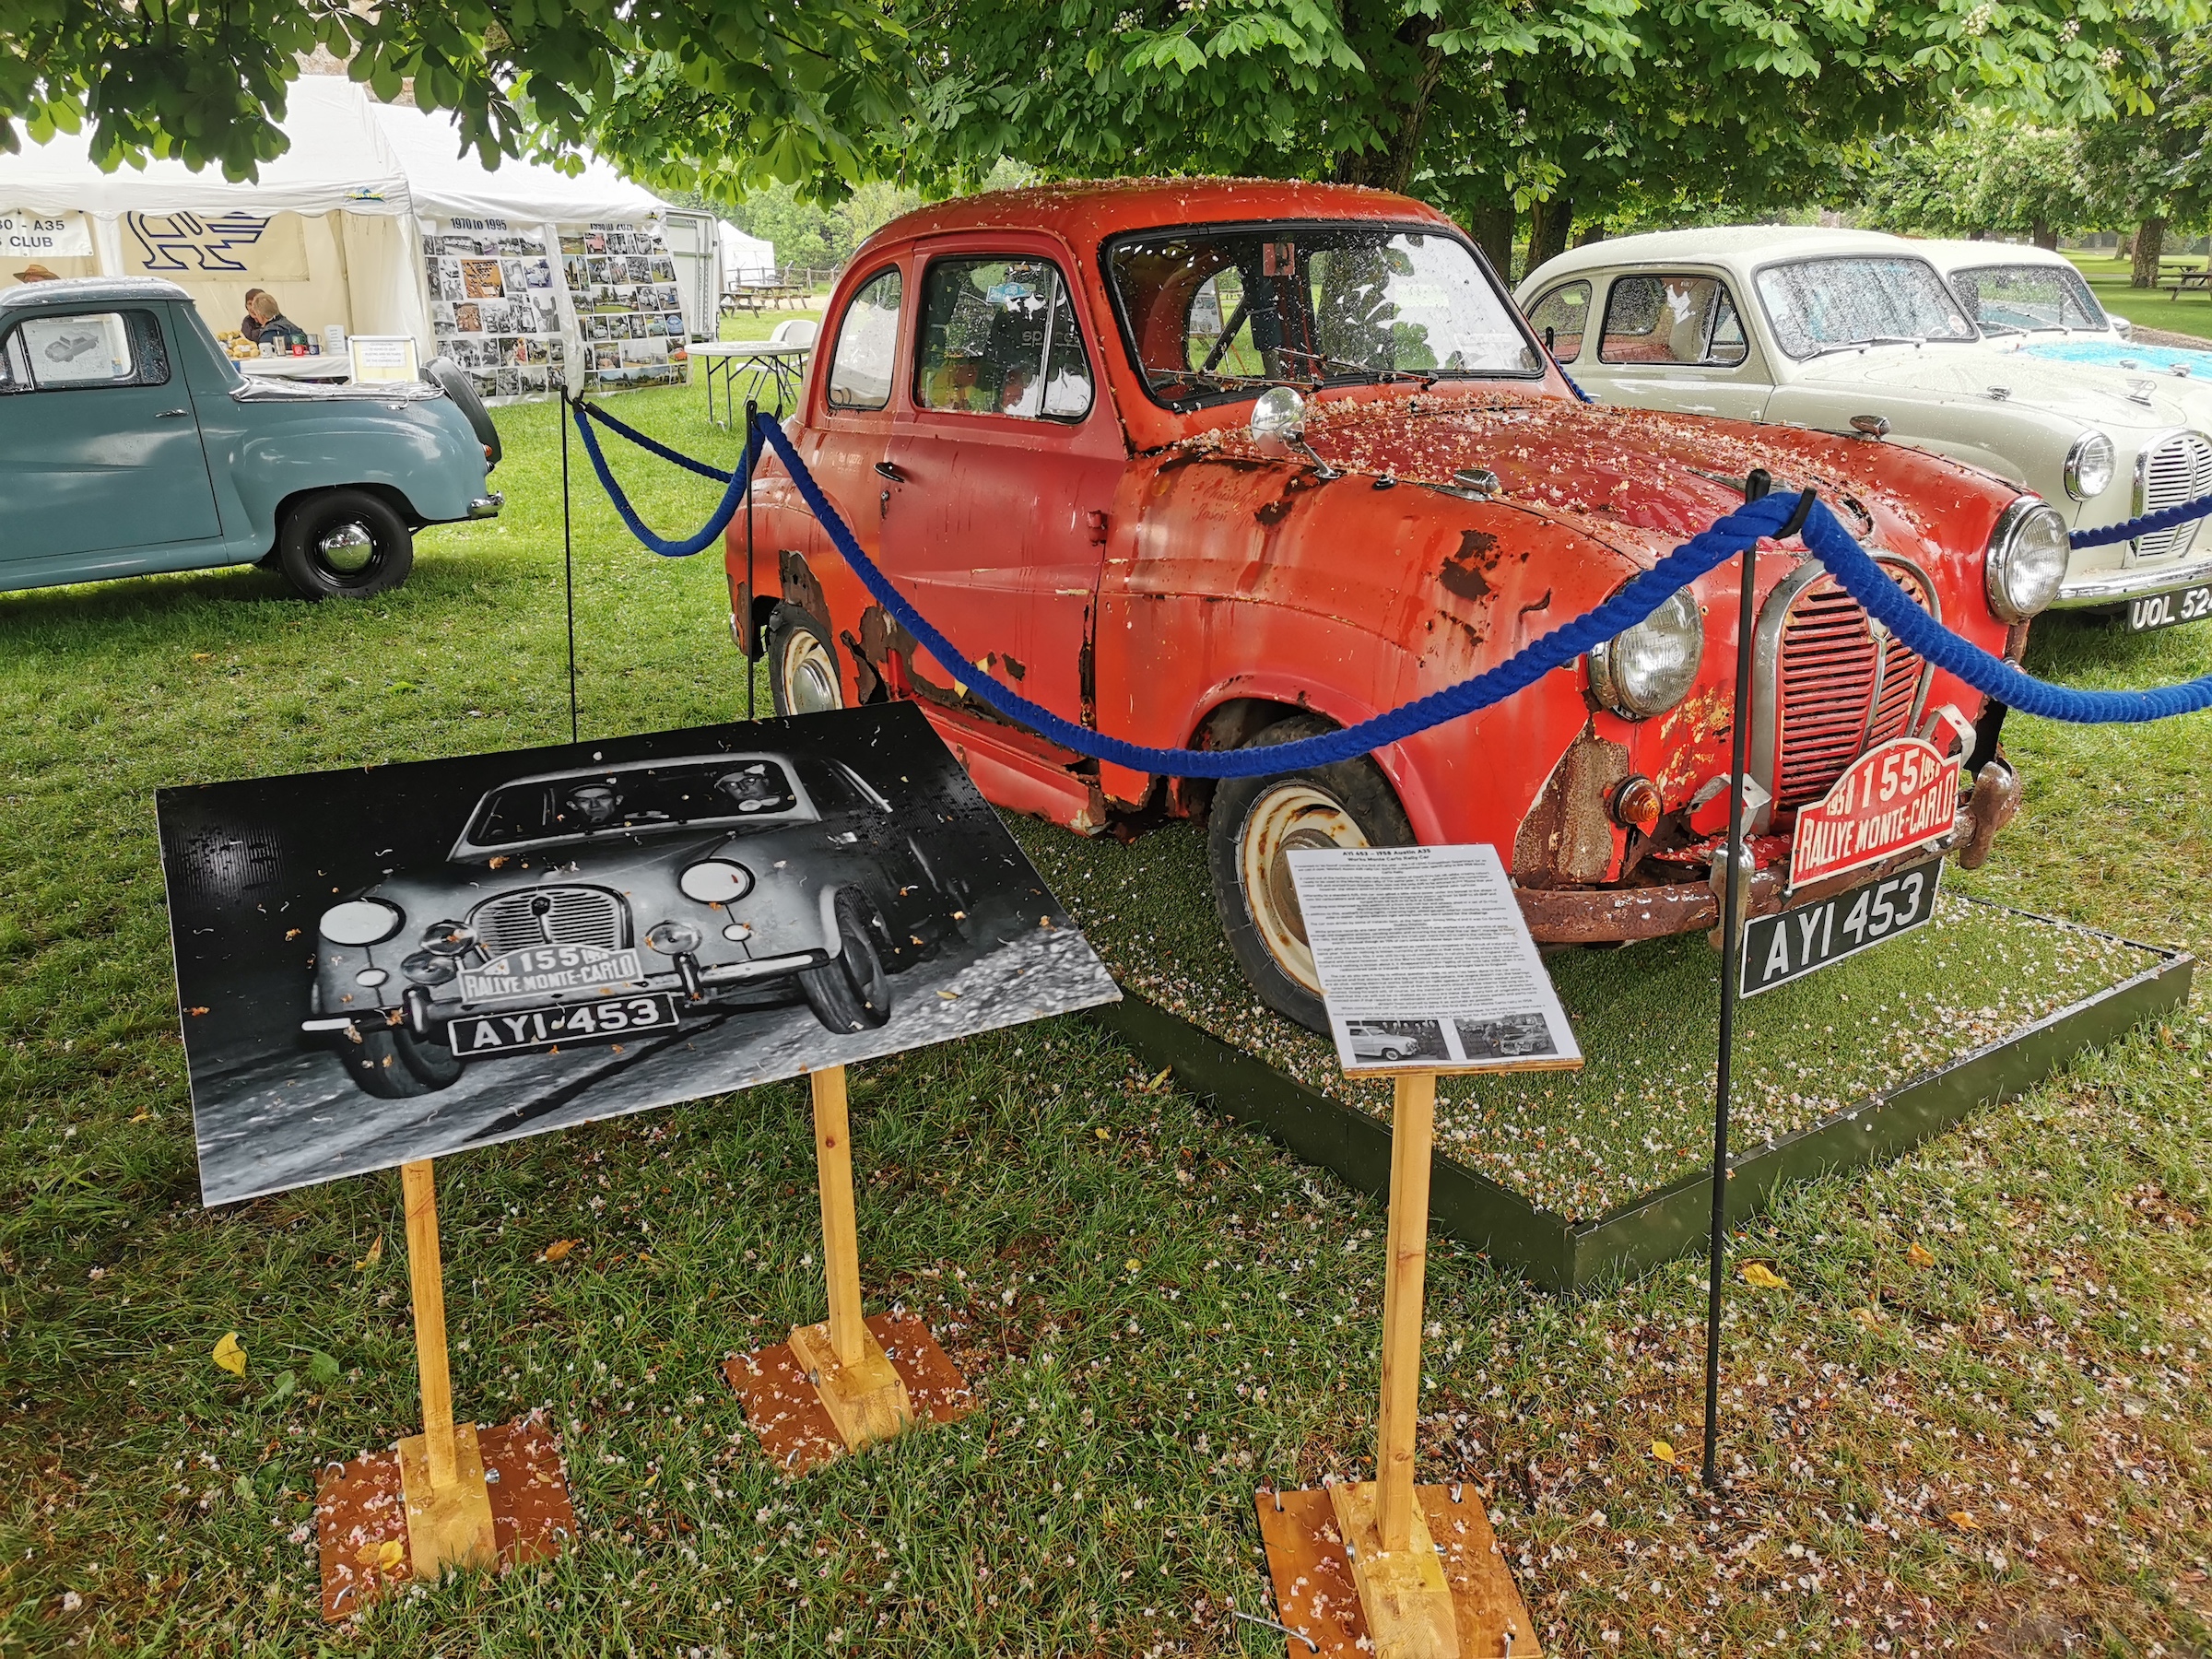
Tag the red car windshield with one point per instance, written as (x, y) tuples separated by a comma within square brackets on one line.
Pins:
[(742, 789), (1226, 311)]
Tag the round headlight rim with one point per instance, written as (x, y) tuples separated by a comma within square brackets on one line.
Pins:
[(356, 938), (2003, 543), (685, 881), (1605, 681), (672, 936), (453, 938), (2079, 453)]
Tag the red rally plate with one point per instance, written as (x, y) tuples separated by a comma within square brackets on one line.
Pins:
[(1897, 795)]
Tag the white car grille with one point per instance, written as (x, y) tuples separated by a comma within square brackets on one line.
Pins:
[(2179, 470), (555, 915)]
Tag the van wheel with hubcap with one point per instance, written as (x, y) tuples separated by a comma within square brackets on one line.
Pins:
[(344, 544), (1255, 824), (396, 1064), (802, 669), (851, 991)]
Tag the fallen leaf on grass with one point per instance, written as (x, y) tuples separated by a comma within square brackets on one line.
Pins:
[(145, 1116), (383, 1558), (230, 1355), (203, 656), (1964, 1521), (1868, 1317), (1760, 1276), (1132, 1266), (1158, 1077), (1663, 1452), (376, 1255), (1105, 1133), (557, 1251), (1919, 1254)]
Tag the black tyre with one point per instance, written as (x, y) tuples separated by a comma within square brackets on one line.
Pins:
[(453, 379), (851, 991), (1253, 826), (344, 544), (802, 664), (396, 1064)]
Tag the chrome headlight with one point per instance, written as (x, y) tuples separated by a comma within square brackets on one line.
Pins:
[(449, 938), (2089, 465), (1647, 669), (672, 939), (715, 881), (427, 968), (2027, 559), (361, 921)]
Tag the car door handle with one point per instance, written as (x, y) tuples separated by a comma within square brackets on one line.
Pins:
[(884, 469), (174, 415)]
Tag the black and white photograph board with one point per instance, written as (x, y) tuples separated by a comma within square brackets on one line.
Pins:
[(1426, 962), (400, 963)]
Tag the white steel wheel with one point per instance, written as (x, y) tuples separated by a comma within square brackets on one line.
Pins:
[(802, 668), (1288, 817)]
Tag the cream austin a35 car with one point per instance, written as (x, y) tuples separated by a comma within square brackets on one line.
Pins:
[(1850, 331)]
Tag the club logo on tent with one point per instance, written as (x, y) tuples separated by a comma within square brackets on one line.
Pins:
[(185, 241)]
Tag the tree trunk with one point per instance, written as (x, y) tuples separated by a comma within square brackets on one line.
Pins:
[(1391, 167), (2150, 241), (1591, 233), (1549, 223), (1492, 229), (2044, 236), (1977, 236)]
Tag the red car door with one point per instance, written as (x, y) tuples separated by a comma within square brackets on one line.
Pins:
[(1004, 469)]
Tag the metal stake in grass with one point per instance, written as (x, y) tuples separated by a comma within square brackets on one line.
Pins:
[(568, 559)]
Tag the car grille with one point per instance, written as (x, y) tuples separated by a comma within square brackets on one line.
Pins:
[(2179, 470), (1841, 689), (554, 916)]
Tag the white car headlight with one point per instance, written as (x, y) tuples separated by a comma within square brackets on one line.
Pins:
[(715, 881), (2027, 559), (361, 921), (2089, 467), (1647, 669)]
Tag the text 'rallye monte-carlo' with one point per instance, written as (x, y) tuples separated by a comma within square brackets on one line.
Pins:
[(614, 903)]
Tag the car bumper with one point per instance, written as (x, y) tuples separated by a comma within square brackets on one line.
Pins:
[(1619, 915), (2133, 582), (488, 506)]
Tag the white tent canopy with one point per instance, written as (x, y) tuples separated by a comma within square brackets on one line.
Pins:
[(745, 258), (445, 183)]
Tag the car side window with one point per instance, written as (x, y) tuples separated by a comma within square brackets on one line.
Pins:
[(1561, 318), (1688, 320), (999, 337), (86, 349), (867, 346)]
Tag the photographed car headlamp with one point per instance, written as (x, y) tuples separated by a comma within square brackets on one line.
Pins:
[(2027, 559), (1647, 669), (426, 969), (449, 938), (361, 921), (672, 939), (2089, 467), (715, 881)]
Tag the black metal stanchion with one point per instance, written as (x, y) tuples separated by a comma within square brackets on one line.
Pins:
[(745, 623), (1731, 950), (567, 559)]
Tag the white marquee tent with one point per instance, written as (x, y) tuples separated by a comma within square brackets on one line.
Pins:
[(335, 227), (745, 258)]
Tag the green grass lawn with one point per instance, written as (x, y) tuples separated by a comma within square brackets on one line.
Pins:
[(1974, 1421), (2147, 308)]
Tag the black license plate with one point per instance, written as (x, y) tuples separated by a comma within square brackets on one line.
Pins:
[(1794, 943), (603, 1019), (2164, 610)]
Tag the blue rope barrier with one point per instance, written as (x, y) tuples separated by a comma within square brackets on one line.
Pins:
[(654, 446), (1581, 395), (719, 521), (2165, 518)]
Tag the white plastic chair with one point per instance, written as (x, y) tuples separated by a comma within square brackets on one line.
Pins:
[(795, 330)]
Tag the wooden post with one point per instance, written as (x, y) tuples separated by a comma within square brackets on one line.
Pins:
[(860, 1389), (1412, 1131), (426, 1278)]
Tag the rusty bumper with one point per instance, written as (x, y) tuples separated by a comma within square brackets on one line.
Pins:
[(1620, 914)]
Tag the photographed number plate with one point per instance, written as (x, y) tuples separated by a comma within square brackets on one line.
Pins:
[(543, 968), (603, 1021), (1790, 945), (2163, 610)]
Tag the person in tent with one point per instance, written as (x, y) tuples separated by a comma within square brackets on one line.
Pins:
[(275, 325), (250, 325)]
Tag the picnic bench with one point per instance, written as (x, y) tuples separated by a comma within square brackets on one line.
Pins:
[(2179, 277)]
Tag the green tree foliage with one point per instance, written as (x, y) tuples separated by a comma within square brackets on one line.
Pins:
[(1990, 174)]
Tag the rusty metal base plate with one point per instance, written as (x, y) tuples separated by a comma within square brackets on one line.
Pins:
[(361, 1515), (794, 1428), (1316, 1597)]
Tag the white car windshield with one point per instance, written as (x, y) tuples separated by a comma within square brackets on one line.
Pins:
[(1817, 305), (2021, 298), (1225, 312), (740, 789)]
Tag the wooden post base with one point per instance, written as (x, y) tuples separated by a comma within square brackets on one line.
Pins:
[(1402, 1591), (366, 1517), (449, 1526), (866, 1399), (1320, 1595), (794, 1417)]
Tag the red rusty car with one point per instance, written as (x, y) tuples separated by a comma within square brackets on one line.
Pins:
[(1211, 464)]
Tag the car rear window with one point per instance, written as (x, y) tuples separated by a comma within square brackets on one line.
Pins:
[(84, 349), (862, 368), (999, 337)]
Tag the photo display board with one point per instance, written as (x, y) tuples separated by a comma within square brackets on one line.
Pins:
[(393, 963), (1426, 961), (496, 304), (622, 280)]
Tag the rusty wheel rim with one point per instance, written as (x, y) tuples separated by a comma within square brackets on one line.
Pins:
[(1287, 818), (809, 674)]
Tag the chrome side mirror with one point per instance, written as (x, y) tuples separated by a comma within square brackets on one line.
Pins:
[(1280, 413)]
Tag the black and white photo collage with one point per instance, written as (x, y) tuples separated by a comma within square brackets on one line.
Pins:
[(495, 306), (623, 284)]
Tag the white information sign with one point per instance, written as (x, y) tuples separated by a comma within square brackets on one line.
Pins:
[(45, 236), (1426, 962), (383, 358)]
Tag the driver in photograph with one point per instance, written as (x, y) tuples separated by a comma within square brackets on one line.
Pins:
[(614, 903)]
